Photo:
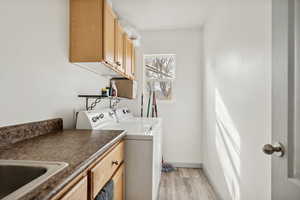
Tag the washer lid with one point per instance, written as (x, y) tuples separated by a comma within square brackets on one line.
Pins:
[(134, 130)]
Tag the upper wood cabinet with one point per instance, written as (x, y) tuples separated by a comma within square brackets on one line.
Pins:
[(127, 55), (133, 62), (97, 36), (119, 46), (109, 34), (86, 30), (92, 31)]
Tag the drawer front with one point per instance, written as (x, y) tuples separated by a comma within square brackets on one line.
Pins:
[(119, 181), (78, 192), (117, 156), (104, 170)]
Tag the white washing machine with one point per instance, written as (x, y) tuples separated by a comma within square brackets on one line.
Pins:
[(143, 148)]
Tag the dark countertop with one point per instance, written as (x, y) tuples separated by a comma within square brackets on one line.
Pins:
[(78, 148)]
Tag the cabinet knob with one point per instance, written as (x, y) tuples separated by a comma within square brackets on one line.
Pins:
[(115, 162)]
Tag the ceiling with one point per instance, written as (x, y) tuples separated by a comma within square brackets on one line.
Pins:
[(162, 14)]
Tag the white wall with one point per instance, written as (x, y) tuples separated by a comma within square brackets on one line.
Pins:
[(237, 99), (181, 117), (36, 80)]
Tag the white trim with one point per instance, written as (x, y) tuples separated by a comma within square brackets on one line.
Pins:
[(186, 165)]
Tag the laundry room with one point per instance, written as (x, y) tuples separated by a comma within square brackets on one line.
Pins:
[(149, 100)]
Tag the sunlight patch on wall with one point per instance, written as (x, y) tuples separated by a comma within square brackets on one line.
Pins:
[(228, 147)]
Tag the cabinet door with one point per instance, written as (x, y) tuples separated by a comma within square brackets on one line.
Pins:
[(103, 171), (119, 182), (119, 46), (86, 32), (109, 34), (128, 55), (133, 65), (78, 192)]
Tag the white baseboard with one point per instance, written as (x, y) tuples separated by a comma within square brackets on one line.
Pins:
[(186, 165)]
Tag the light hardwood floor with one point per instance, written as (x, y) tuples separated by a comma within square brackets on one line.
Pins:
[(185, 184)]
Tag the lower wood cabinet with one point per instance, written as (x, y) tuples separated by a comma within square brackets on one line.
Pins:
[(119, 180), (104, 170), (78, 192), (93, 179)]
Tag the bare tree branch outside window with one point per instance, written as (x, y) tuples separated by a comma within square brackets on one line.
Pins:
[(160, 74)]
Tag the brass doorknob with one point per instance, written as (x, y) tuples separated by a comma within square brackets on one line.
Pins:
[(276, 149)]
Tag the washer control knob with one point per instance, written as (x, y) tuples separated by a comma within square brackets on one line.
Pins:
[(111, 114), (95, 119), (101, 116)]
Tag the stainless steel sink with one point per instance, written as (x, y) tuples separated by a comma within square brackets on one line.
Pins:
[(18, 177)]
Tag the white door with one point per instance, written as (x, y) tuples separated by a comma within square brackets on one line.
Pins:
[(285, 100)]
